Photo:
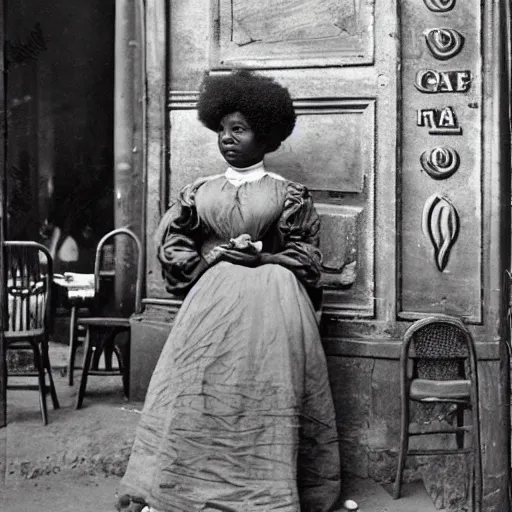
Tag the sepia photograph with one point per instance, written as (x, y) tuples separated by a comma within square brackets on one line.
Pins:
[(255, 256)]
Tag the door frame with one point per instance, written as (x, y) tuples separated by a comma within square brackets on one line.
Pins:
[(130, 139), (3, 142)]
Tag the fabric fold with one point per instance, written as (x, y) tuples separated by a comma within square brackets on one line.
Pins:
[(239, 414)]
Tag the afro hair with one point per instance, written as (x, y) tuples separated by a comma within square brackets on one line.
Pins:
[(265, 104)]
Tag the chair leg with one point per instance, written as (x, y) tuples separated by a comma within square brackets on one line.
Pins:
[(477, 459), (47, 366), (122, 351), (38, 363), (98, 350), (460, 423), (73, 341), (404, 447), (126, 383), (88, 350)]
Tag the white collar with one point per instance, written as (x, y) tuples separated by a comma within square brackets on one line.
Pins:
[(237, 176)]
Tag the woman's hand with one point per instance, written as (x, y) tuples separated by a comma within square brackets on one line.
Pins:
[(239, 250), (245, 244), (214, 254)]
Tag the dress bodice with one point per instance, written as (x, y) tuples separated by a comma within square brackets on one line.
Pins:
[(227, 211), (212, 210)]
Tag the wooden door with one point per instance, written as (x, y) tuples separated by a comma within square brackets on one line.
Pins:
[(368, 144), (340, 66)]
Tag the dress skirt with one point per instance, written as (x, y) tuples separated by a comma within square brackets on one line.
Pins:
[(239, 414)]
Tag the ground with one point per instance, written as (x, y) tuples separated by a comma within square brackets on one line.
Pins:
[(74, 463)]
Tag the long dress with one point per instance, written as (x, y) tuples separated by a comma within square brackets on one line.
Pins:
[(239, 414)]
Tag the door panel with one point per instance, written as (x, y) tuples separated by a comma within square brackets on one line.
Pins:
[(292, 33), (344, 91), (441, 215)]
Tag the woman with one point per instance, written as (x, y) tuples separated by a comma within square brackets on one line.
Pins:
[(239, 414)]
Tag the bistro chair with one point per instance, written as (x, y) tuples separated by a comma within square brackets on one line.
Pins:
[(29, 320), (79, 297), (109, 335), (438, 365)]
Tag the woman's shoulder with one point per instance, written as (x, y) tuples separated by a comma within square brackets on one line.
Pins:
[(198, 182), (187, 193), (293, 188), (277, 177)]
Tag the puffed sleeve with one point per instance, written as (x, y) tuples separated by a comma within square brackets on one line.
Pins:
[(178, 243), (298, 229)]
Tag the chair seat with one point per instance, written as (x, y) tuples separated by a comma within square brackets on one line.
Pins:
[(432, 390), (105, 321), (22, 335)]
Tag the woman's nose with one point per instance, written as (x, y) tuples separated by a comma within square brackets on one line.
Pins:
[(226, 137)]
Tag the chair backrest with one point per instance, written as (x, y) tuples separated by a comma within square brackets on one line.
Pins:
[(139, 262), (28, 280), (440, 347)]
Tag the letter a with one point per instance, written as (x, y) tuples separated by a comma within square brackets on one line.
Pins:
[(447, 118)]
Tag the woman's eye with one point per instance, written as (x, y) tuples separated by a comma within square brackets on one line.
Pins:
[(238, 129)]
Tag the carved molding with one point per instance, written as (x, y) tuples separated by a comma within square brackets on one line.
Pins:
[(344, 193), (441, 162), (441, 225), (182, 100), (441, 241), (348, 125), (292, 33), (440, 5), (339, 243), (340, 179), (444, 43)]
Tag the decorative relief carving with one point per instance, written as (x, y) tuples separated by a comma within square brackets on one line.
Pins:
[(440, 121), (431, 81), (292, 33), (441, 225), (273, 21), (444, 43), (440, 5), (341, 228), (441, 76), (440, 163)]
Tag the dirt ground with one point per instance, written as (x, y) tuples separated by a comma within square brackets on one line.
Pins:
[(74, 463), (65, 493)]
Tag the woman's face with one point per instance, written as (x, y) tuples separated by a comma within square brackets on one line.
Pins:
[(237, 142)]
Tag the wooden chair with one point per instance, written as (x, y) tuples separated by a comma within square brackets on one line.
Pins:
[(29, 274), (438, 364), (102, 333)]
